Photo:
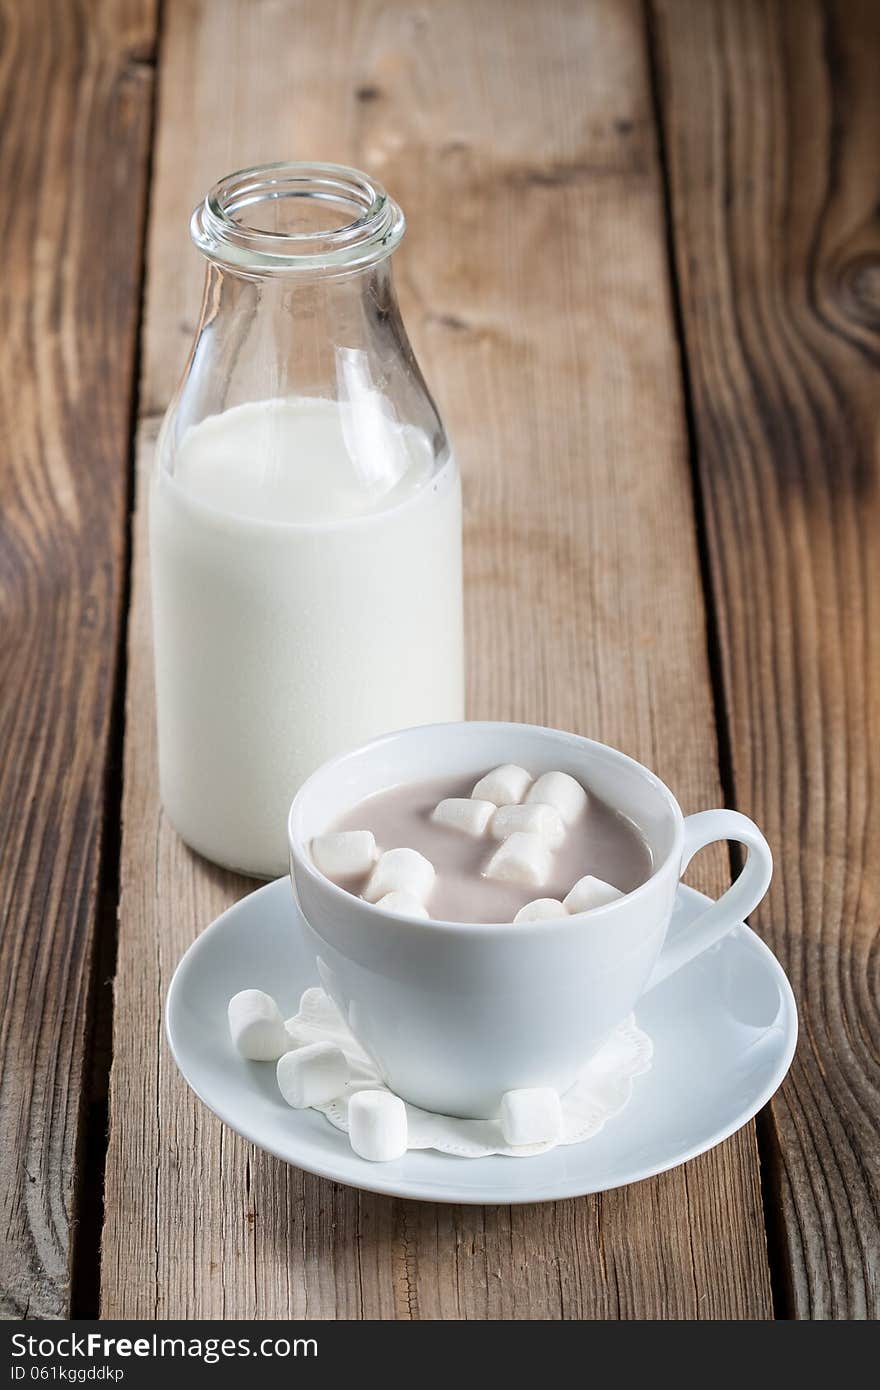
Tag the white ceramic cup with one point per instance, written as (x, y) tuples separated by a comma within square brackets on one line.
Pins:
[(455, 1013)]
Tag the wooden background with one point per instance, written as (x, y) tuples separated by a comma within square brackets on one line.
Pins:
[(642, 274)]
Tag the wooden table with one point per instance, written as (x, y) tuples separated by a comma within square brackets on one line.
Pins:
[(643, 276)]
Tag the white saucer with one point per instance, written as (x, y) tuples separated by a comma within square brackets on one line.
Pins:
[(724, 1030)]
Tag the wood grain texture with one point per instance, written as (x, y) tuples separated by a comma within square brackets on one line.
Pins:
[(520, 141), (75, 98), (771, 116)]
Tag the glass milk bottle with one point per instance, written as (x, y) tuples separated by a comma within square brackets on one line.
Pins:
[(305, 513)]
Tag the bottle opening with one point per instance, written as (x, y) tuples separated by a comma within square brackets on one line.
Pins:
[(283, 219)]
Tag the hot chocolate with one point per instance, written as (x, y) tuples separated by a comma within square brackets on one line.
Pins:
[(598, 840)]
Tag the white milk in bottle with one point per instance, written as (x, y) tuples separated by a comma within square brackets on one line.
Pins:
[(305, 550)]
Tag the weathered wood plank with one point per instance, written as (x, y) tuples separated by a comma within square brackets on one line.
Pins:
[(771, 114), (76, 98), (520, 141)]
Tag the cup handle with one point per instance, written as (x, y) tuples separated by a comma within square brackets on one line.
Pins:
[(735, 904)]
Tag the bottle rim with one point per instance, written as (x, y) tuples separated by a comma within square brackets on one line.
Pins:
[(222, 232)]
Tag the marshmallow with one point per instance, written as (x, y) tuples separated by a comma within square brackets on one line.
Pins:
[(344, 853), (504, 786), (541, 910), (521, 858), (590, 892), (531, 1116), (561, 791), (400, 871), (256, 1026), (535, 817), (377, 1125), (312, 1075), (464, 813), (403, 903)]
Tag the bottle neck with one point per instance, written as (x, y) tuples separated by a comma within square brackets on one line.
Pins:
[(300, 304), (312, 336)]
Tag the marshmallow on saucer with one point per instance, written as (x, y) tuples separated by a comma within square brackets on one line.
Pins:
[(521, 858), (464, 813), (535, 817), (559, 790), (541, 910), (403, 903), (312, 1075), (256, 1026), (590, 892), (344, 853), (377, 1128), (504, 786), (400, 871), (532, 1115)]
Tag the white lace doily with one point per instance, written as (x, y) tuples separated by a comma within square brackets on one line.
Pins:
[(603, 1090)]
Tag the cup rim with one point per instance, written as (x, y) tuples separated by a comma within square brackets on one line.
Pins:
[(299, 850)]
